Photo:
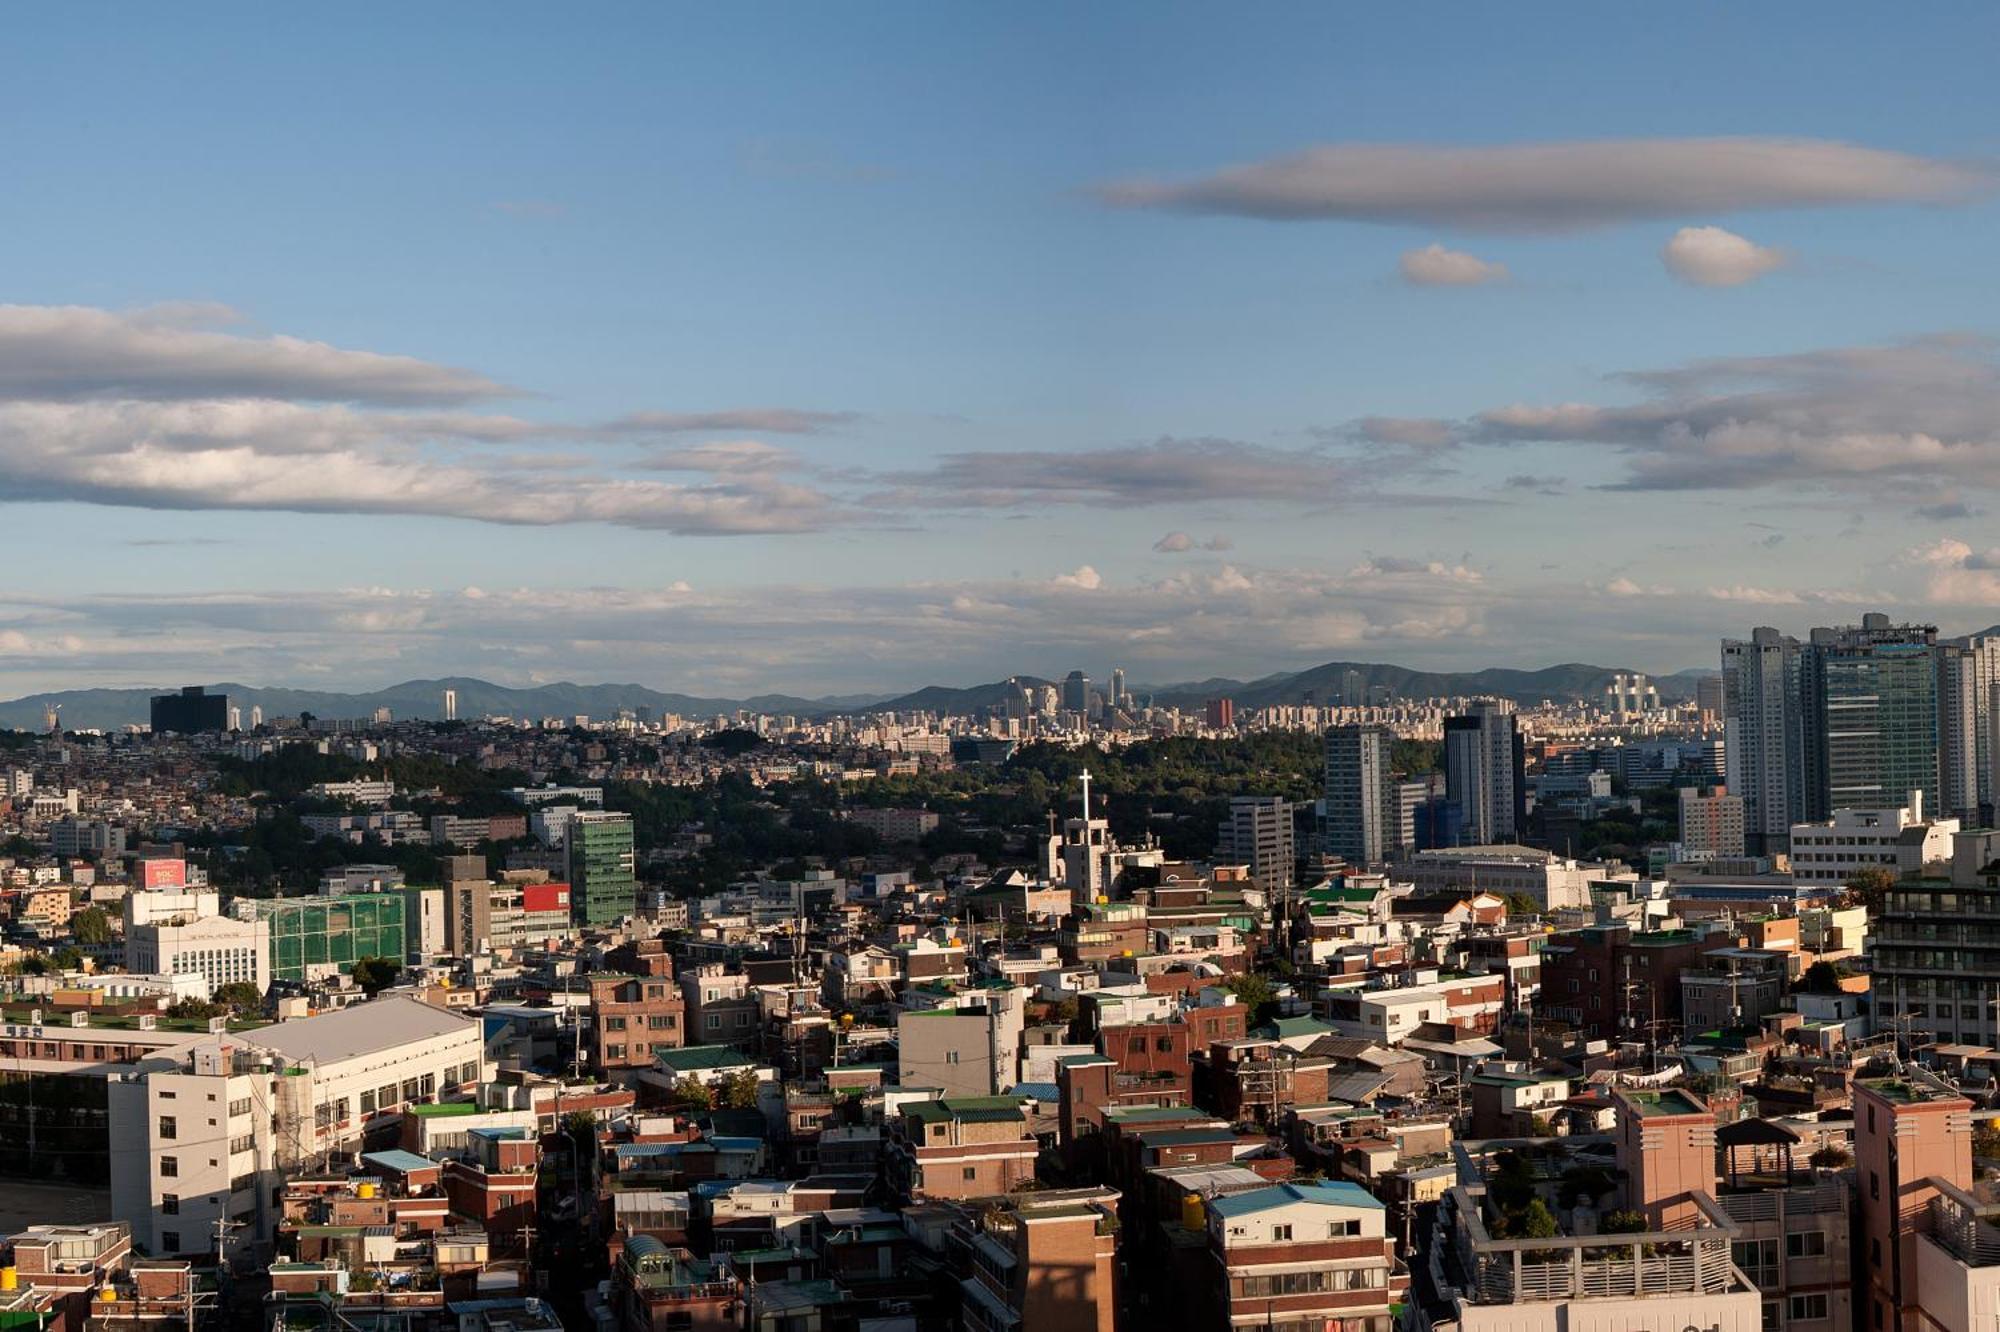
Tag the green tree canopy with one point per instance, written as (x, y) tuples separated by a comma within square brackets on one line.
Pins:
[(90, 926)]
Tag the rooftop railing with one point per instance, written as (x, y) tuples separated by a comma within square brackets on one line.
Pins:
[(1967, 1228), (1692, 1257)]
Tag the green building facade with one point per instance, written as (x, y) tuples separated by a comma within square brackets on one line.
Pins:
[(309, 934), (603, 887)]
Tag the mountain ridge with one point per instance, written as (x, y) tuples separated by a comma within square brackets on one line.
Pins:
[(424, 698)]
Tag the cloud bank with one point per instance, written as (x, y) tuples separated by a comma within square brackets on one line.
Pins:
[(1560, 186)]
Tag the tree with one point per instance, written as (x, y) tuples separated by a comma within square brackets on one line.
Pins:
[(376, 974), (1256, 994), (1520, 904), (691, 1094), (1536, 1221), (1624, 1221), (739, 1090), (67, 959), (90, 926), (1870, 883), (243, 996), (197, 1010), (1835, 1157), (1986, 1140), (1821, 978)]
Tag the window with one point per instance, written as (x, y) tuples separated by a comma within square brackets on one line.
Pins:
[(427, 1085), (1874, 1180), (239, 1107), (971, 1172), (170, 1167), (1773, 1321), (170, 1241), (368, 1102), (385, 1098), (614, 1052), (168, 1126), (659, 1022), (409, 1089), (1757, 1258), (170, 1204), (1806, 1244), (1280, 1233), (1336, 1229), (470, 1073), (1806, 1307)]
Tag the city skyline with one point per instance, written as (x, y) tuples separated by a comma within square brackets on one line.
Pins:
[(782, 351)]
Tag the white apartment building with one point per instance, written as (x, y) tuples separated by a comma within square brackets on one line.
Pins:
[(201, 1131), (193, 1147), (361, 792), (1901, 841), (895, 825), (152, 906), (173, 931), (1553, 881)]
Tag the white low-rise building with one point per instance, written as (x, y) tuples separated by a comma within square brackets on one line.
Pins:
[(201, 1130), (1901, 841)]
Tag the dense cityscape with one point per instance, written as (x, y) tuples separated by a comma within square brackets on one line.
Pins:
[(1060, 1011), (919, 667)]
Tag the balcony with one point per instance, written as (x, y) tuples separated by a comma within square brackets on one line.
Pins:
[(1799, 1200), (1967, 1228), (1691, 1259)]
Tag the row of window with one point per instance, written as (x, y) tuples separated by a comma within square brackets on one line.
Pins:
[(1762, 1254), (1316, 1282)]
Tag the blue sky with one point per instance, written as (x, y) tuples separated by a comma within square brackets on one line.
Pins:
[(992, 261)]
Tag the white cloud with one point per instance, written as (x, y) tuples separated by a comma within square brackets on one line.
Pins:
[(55, 353), (721, 458), (1959, 574), (1712, 257), (1174, 543), (1916, 417), (1085, 579), (1557, 186), (1165, 471), (761, 420), (1435, 266)]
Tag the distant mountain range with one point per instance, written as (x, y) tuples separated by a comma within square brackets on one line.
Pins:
[(424, 699), (1323, 685), (112, 708)]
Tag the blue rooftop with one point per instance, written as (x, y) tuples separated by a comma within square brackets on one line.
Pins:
[(1339, 1193), (398, 1160)]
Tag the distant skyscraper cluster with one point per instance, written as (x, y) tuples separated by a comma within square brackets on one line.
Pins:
[(1863, 716)]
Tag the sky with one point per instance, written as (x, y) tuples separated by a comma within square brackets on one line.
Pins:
[(840, 349)]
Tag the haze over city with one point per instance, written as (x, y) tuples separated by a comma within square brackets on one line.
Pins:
[(788, 348)]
